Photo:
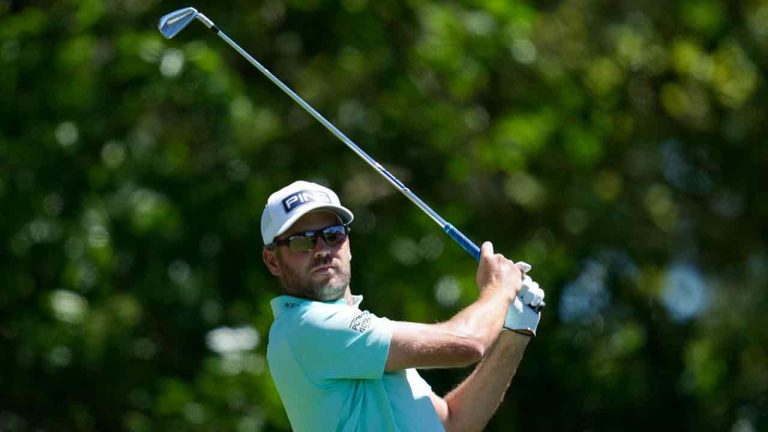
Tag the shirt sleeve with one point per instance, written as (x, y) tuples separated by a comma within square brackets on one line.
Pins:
[(334, 342)]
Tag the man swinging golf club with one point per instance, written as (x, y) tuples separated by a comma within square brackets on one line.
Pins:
[(340, 367)]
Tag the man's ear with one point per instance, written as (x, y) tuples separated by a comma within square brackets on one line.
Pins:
[(270, 260)]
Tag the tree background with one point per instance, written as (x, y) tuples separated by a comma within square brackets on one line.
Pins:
[(619, 147)]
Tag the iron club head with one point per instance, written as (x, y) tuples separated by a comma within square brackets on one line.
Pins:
[(172, 23)]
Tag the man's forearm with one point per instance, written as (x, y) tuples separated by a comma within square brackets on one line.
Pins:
[(482, 318), (463, 340), (471, 405)]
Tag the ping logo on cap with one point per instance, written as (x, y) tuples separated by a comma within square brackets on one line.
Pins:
[(297, 199)]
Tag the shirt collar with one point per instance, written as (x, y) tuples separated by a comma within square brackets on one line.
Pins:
[(286, 302)]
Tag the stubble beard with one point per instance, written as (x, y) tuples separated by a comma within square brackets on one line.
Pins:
[(307, 286)]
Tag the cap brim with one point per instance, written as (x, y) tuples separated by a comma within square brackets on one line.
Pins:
[(343, 213)]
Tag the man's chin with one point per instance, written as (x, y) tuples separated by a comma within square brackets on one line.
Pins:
[(330, 288)]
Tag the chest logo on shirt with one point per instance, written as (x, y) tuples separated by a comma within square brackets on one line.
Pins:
[(361, 322)]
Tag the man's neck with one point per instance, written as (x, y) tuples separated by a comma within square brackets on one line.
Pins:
[(347, 296)]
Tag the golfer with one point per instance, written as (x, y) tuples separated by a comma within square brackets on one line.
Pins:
[(338, 367)]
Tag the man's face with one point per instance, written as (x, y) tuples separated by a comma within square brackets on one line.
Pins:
[(320, 274)]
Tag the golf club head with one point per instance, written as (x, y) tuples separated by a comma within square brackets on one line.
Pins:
[(171, 24)]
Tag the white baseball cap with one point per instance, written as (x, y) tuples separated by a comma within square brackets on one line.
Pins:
[(287, 205)]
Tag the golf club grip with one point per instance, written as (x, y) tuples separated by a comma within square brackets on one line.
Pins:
[(473, 250), (462, 240)]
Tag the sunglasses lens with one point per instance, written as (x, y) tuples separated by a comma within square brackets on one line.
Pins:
[(301, 243), (334, 235)]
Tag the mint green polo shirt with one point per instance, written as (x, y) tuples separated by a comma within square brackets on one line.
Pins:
[(327, 360)]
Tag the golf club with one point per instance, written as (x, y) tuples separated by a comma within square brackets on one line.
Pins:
[(171, 24)]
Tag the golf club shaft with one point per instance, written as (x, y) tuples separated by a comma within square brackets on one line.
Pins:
[(449, 229)]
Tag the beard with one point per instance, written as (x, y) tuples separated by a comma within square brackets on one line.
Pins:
[(307, 284)]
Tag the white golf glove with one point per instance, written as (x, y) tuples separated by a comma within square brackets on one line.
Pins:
[(524, 313), (531, 294)]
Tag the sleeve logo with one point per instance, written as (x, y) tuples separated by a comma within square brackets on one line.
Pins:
[(361, 322)]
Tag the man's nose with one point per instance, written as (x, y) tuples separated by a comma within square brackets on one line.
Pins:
[(321, 247)]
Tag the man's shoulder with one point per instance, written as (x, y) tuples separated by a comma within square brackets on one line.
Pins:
[(295, 311), (321, 319), (288, 303)]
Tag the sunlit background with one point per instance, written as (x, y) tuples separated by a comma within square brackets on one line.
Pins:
[(618, 147)]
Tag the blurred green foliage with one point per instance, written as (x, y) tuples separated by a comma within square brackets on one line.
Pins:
[(619, 147)]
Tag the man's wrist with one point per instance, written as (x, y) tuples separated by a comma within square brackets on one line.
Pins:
[(495, 291), (522, 318)]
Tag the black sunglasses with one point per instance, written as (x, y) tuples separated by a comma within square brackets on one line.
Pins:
[(333, 235)]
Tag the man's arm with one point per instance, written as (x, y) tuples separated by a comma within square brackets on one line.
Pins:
[(471, 405), (467, 337)]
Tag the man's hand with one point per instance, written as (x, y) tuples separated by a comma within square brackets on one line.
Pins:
[(531, 294), (470, 334), (524, 313), (497, 271)]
